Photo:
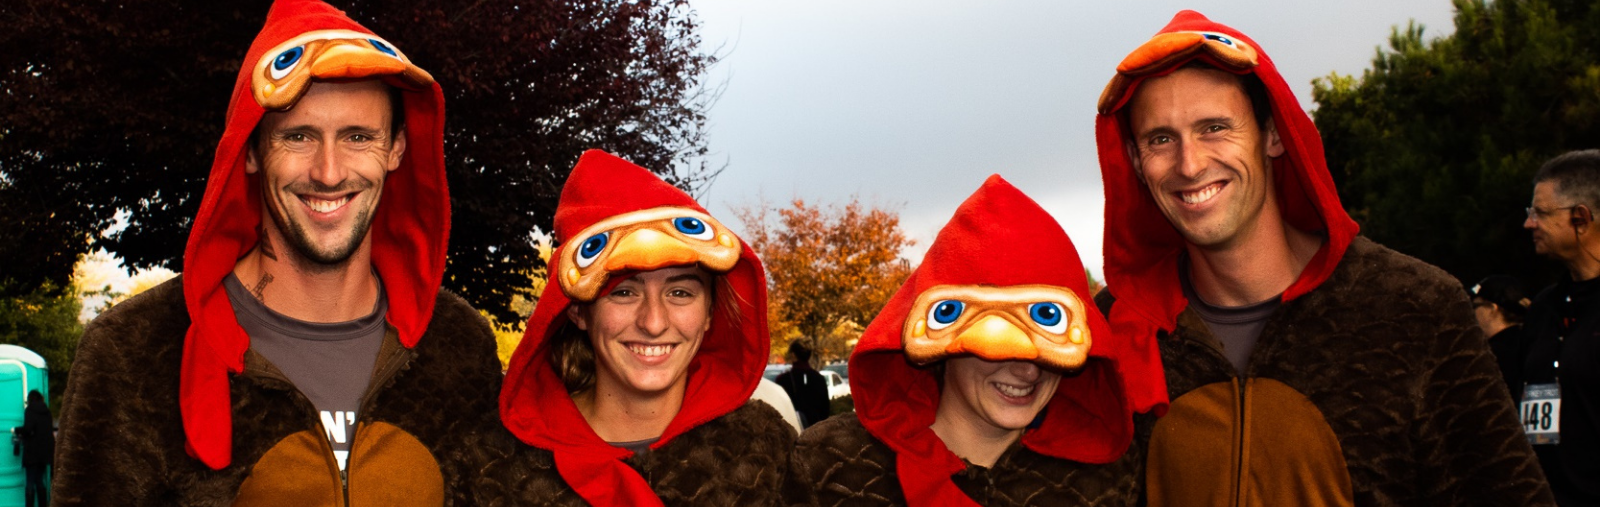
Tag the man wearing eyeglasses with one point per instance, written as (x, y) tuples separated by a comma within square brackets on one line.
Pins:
[(1561, 392)]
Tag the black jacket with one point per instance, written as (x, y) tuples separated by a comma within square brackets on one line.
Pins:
[(38, 436), (1573, 466), (809, 392)]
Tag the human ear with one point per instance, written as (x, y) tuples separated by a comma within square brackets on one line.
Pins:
[(578, 316), (1274, 142), (397, 149), (252, 164), (1133, 160)]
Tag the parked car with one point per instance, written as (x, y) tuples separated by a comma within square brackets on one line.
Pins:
[(842, 368), (838, 387), (773, 370)]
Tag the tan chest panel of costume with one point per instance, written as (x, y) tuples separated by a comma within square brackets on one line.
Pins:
[(1277, 447), (387, 467)]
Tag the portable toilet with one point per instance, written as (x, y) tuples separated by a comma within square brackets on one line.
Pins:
[(21, 370)]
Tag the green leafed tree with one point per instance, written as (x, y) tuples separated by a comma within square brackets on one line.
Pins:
[(45, 321), (117, 106), (1434, 148)]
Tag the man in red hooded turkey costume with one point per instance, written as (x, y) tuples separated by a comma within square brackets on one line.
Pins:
[(307, 355), (1306, 365), (987, 379), (629, 387)]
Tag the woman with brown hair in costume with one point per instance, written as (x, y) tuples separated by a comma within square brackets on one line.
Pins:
[(630, 384), (986, 380)]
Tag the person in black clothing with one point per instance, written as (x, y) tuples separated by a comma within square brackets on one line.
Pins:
[(1561, 391), (38, 449), (807, 388), (1500, 304)]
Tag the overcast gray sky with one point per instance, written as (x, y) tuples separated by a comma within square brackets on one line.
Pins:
[(913, 104)]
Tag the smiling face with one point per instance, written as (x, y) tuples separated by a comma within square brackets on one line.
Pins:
[(994, 396), (322, 165), (1201, 153), (646, 330)]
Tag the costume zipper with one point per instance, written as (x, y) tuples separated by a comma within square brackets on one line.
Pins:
[(271, 372), (1239, 443), (393, 362)]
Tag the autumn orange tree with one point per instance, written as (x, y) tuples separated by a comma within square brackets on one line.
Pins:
[(830, 268)]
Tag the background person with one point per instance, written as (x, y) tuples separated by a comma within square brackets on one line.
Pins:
[(1563, 329), (630, 386), (986, 379), (38, 435), (1306, 365), (807, 389), (1500, 305)]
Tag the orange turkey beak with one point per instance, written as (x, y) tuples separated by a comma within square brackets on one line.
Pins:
[(347, 60), (648, 250), (994, 338), (341, 59), (1164, 52)]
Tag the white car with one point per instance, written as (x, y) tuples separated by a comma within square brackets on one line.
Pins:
[(838, 387)]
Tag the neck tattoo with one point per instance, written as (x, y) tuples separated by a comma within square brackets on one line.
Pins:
[(261, 287), (266, 242)]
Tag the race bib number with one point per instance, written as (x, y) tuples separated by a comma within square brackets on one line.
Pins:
[(1541, 413)]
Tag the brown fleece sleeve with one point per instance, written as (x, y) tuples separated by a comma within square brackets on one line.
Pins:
[(1468, 427), (118, 427)]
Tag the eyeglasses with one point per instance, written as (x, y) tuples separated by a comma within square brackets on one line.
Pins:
[(1535, 213)]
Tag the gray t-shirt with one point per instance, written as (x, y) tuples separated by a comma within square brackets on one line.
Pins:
[(639, 447), (1236, 327), (330, 363)]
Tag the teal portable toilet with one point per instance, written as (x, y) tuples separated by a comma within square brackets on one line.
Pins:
[(21, 370)]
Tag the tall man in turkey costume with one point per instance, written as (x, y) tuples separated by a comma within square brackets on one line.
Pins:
[(1306, 365), (307, 355)]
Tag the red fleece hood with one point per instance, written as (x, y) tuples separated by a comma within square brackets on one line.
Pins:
[(998, 239), (1142, 248), (534, 403), (409, 231)]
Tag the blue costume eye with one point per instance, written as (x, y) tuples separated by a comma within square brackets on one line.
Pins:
[(1049, 316), (1219, 38), (285, 61), (944, 313), (380, 46), (693, 227), (591, 248)]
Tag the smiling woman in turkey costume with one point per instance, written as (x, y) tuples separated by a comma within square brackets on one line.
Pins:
[(630, 384), (985, 380)]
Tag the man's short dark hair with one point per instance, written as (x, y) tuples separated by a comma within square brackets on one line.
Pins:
[(1260, 102), (801, 353), (397, 117), (1577, 176)]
